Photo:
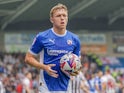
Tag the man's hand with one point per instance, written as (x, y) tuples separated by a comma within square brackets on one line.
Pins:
[(51, 72), (74, 73)]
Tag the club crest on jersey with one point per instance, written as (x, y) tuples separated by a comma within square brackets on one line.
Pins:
[(69, 42)]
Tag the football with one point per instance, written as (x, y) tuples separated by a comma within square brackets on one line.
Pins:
[(70, 63)]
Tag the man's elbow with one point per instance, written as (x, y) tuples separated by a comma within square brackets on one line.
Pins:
[(26, 60)]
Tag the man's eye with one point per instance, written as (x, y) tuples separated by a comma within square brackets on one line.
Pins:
[(64, 15), (58, 15)]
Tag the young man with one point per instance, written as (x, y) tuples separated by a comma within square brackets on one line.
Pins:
[(80, 84), (27, 82), (109, 82), (2, 89), (52, 44), (99, 82)]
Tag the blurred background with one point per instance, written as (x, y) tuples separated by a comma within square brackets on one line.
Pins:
[(98, 23)]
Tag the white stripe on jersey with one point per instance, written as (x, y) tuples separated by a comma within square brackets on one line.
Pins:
[(42, 84), (76, 83)]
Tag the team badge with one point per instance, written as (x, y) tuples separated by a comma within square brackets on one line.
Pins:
[(69, 42)]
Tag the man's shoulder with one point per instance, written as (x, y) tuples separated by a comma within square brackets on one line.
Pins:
[(44, 33), (72, 34)]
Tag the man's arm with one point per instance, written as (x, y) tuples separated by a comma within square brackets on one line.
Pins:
[(84, 87), (31, 60), (27, 89)]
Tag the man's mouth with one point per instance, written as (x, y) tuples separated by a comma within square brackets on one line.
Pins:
[(62, 22)]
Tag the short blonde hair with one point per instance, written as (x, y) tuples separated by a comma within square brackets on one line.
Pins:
[(56, 7)]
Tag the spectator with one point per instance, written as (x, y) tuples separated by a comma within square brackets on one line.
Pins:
[(27, 83)]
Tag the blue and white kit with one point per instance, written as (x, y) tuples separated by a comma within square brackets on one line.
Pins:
[(52, 47)]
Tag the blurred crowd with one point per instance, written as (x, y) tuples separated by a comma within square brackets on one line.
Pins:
[(16, 76), (101, 78)]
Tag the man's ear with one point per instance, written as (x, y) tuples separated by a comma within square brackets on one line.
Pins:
[(51, 20)]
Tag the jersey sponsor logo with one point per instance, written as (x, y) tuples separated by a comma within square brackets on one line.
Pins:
[(56, 52), (69, 42)]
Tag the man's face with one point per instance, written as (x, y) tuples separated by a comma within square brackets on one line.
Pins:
[(100, 73), (59, 19)]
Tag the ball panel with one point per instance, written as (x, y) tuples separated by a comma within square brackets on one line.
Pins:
[(70, 63)]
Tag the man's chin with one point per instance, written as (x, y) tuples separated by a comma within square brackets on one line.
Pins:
[(62, 27)]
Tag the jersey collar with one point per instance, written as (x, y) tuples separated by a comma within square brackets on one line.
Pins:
[(58, 34)]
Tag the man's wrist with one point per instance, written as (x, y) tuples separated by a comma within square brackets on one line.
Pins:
[(43, 67)]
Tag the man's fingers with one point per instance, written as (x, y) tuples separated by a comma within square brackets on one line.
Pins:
[(54, 75), (52, 65), (51, 72), (74, 73), (77, 72)]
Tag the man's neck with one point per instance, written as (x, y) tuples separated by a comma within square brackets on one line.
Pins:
[(59, 31)]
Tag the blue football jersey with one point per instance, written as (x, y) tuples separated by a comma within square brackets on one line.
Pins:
[(52, 47)]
